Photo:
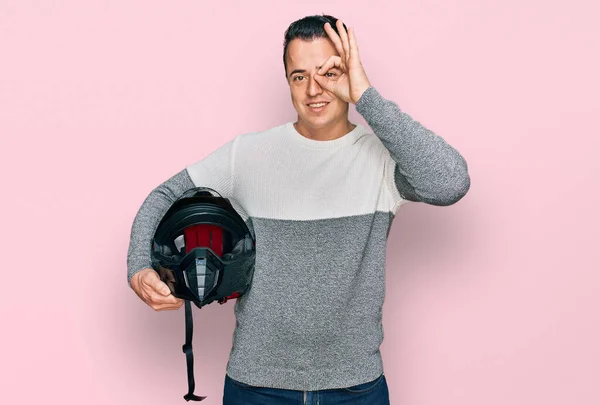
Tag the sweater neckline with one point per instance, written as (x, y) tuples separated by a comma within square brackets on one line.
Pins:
[(334, 143)]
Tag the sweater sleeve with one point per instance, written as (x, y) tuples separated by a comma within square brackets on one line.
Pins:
[(214, 171), (427, 168)]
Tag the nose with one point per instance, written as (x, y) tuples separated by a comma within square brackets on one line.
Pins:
[(313, 88)]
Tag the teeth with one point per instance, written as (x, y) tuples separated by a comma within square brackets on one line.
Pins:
[(317, 105)]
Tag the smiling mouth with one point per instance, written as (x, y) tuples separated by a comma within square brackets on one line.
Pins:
[(317, 105)]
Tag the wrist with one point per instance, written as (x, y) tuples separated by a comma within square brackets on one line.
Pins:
[(361, 90)]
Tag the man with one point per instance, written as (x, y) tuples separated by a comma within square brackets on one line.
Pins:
[(320, 195)]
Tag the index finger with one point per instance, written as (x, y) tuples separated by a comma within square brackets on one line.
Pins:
[(335, 39), (333, 61)]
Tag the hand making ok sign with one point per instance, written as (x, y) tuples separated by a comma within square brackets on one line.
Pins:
[(353, 81)]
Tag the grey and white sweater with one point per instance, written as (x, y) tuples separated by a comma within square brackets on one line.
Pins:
[(321, 213)]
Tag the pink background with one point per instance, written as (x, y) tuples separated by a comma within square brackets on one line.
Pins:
[(494, 300)]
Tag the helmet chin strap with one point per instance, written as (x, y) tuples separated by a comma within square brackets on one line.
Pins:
[(189, 355)]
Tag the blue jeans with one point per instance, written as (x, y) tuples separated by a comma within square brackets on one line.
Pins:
[(370, 393)]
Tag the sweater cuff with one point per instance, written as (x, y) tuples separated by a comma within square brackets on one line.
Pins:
[(369, 103)]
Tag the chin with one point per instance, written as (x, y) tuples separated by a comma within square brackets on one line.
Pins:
[(318, 122), (319, 125)]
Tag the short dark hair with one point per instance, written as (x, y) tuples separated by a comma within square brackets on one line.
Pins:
[(308, 28)]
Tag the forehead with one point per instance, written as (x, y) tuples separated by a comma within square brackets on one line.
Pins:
[(303, 54)]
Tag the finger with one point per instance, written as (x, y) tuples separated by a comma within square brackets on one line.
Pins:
[(162, 305), (344, 38), (154, 298), (335, 39), (175, 305), (331, 62), (353, 43), (153, 281), (169, 307)]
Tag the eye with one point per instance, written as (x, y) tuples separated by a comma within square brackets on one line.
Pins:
[(330, 74), (298, 78)]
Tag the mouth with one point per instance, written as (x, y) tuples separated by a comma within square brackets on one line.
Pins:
[(317, 107)]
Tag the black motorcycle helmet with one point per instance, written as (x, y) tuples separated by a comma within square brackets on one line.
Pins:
[(204, 251)]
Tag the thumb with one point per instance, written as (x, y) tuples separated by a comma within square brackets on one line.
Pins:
[(157, 284), (162, 288)]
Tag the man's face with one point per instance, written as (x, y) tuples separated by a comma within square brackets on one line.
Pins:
[(303, 60)]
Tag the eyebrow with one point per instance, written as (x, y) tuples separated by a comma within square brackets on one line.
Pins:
[(296, 71)]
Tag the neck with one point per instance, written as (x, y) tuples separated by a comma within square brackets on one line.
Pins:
[(327, 133)]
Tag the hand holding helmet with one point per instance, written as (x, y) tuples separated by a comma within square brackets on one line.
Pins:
[(153, 291)]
